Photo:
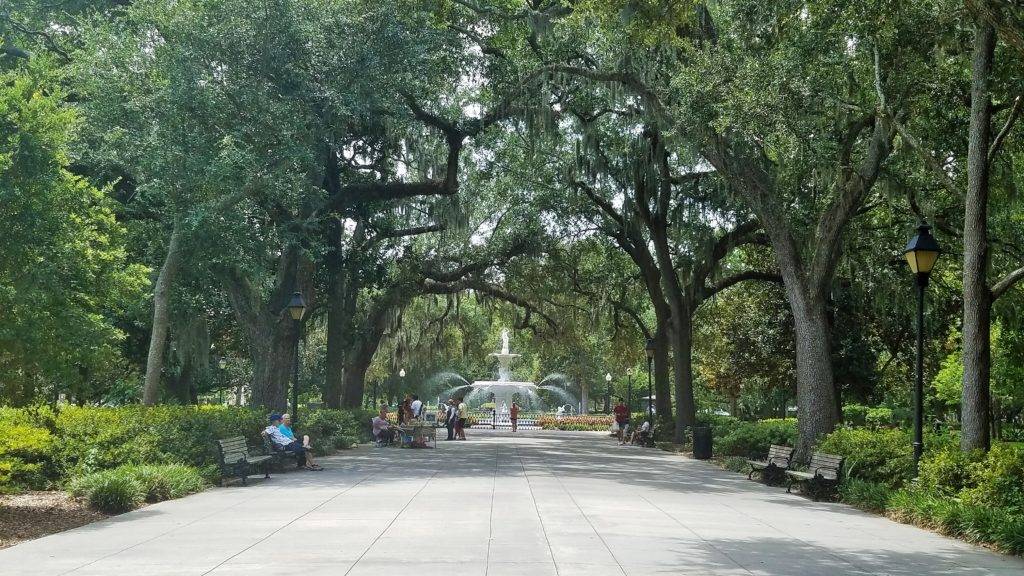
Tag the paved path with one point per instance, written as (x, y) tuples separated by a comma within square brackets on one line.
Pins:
[(538, 504)]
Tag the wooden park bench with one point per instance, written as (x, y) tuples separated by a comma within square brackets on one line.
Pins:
[(773, 468), (821, 477), (278, 456), (236, 461)]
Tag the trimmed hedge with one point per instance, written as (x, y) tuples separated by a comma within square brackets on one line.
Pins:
[(753, 439), (50, 447)]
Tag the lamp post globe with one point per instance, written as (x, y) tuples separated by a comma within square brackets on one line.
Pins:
[(296, 308), (401, 373), (921, 252)]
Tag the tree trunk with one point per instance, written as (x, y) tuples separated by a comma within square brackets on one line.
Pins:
[(815, 391), (192, 352), (161, 318), (339, 326), (355, 381), (272, 354), (662, 387), (977, 296)]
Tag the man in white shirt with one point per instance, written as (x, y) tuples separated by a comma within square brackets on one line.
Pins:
[(417, 407)]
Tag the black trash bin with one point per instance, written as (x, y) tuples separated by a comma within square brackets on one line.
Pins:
[(702, 444)]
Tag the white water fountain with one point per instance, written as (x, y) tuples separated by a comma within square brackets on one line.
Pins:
[(504, 390)]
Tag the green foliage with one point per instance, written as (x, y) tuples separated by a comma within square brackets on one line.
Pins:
[(112, 491), (64, 270), (75, 442), (855, 414), (126, 487), (753, 439), (24, 455), (882, 456), (167, 481), (331, 430), (947, 471), (997, 479), (869, 496), (735, 464)]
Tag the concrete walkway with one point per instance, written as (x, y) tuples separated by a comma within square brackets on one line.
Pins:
[(537, 504)]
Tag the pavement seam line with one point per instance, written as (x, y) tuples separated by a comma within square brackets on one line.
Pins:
[(490, 517), (391, 523), (289, 523), (694, 532), (587, 518), (536, 509), (162, 534)]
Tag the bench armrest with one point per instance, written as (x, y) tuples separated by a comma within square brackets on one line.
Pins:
[(836, 470), (782, 459)]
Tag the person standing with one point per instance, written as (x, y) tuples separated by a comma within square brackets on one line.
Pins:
[(513, 415), (621, 419), (451, 418), (460, 426), (416, 406)]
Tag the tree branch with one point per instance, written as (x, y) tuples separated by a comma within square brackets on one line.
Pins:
[(1007, 282), (1018, 105)]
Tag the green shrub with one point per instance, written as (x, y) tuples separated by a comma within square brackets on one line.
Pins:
[(880, 456), (998, 479), (880, 416), (166, 481), (947, 470), (735, 464), (753, 439), (110, 491), (865, 495), (25, 457), (45, 447), (855, 414), (331, 430)]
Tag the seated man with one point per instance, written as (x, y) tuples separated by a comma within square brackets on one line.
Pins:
[(286, 444), (640, 434), (286, 428), (381, 430)]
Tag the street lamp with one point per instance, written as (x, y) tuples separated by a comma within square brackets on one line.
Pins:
[(629, 389), (649, 349), (222, 363), (608, 381), (296, 309), (921, 253)]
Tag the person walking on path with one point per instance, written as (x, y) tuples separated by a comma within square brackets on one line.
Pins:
[(513, 415), (621, 419)]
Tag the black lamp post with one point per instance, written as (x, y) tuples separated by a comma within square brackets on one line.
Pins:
[(921, 252), (649, 349), (629, 389), (296, 309)]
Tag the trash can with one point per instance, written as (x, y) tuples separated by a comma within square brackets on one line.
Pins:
[(702, 442)]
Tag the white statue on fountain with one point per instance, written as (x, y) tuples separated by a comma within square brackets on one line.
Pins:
[(504, 340)]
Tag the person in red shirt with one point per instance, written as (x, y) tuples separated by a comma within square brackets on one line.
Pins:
[(513, 415), (621, 419)]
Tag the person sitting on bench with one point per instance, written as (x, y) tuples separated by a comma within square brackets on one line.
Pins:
[(286, 444), (286, 428), (381, 430), (640, 434)]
